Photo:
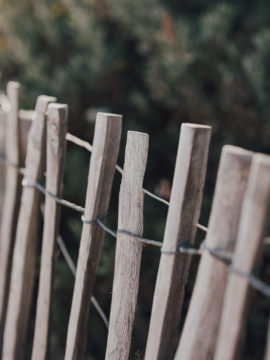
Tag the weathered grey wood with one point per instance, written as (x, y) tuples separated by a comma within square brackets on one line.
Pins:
[(181, 225), (128, 249), (26, 119), (23, 135), (23, 265), (3, 117), (11, 197), (250, 241), (102, 166), (200, 329), (56, 146), (267, 352)]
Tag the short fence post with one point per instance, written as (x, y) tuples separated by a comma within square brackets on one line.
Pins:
[(102, 167), (23, 265), (56, 147), (267, 351), (25, 125), (180, 230), (248, 245), (11, 197), (128, 248), (200, 329)]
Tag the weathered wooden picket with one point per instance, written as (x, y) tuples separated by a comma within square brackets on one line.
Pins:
[(234, 239)]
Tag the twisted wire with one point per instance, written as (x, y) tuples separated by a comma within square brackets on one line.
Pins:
[(72, 268), (220, 254)]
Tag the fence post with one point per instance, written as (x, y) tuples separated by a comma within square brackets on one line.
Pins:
[(128, 249), (3, 117), (267, 351), (11, 197), (200, 329), (102, 166), (248, 246), (56, 147), (23, 264), (25, 125), (180, 229)]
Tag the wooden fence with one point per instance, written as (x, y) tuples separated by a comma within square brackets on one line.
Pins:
[(235, 237)]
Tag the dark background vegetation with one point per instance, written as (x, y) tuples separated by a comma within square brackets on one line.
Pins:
[(159, 63)]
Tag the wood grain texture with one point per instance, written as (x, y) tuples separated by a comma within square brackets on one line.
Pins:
[(11, 198), (181, 225), (267, 351), (249, 244), (3, 117), (56, 148), (199, 334), (25, 125), (102, 167), (128, 249), (23, 265)]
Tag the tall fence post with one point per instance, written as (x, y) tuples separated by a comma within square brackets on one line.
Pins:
[(102, 167), (200, 329), (249, 244), (11, 197), (180, 230), (23, 265), (56, 147), (3, 120), (128, 248)]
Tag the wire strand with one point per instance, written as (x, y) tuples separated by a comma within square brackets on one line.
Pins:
[(84, 144), (59, 200), (72, 267), (253, 281), (220, 254)]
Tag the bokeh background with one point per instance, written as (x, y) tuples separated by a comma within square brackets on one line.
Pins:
[(159, 63)]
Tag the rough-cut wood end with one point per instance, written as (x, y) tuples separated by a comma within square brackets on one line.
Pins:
[(259, 179), (109, 115), (133, 173), (13, 85), (42, 103), (136, 153), (196, 126), (236, 151), (13, 89), (57, 106), (57, 112), (135, 158), (230, 187), (106, 121), (233, 161)]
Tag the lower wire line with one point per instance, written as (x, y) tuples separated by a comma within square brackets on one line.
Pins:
[(220, 254), (142, 239), (253, 281), (72, 267)]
